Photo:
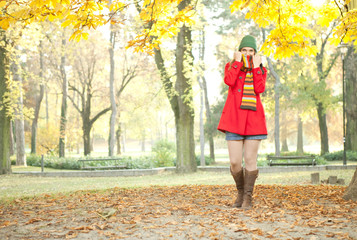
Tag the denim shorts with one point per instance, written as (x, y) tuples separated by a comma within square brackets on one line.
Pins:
[(233, 136)]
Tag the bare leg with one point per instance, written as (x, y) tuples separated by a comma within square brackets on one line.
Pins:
[(250, 154), (235, 150)]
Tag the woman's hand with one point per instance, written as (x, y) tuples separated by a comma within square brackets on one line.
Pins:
[(238, 56), (257, 60)]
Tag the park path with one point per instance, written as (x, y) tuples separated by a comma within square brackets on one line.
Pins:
[(183, 212)]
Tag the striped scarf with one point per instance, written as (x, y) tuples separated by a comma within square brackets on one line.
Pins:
[(249, 99)]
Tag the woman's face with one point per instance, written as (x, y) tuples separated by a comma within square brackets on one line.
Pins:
[(247, 51)]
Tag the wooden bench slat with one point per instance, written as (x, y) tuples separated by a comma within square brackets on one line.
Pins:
[(303, 160), (291, 164), (83, 161), (103, 167), (93, 160)]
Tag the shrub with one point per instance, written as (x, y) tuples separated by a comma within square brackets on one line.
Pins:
[(320, 160), (142, 162), (53, 162), (338, 156), (208, 160), (164, 152)]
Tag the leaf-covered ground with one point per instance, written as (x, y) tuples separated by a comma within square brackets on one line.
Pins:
[(183, 212)]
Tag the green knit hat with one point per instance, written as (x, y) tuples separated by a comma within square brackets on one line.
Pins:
[(248, 41)]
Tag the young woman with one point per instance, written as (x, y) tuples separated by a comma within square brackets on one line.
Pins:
[(243, 118)]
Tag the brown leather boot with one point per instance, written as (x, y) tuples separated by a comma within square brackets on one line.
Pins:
[(249, 181), (239, 180)]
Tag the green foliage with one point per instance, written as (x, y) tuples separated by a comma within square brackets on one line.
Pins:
[(208, 160), (142, 162), (53, 162), (319, 160), (338, 156), (292, 154), (164, 152)]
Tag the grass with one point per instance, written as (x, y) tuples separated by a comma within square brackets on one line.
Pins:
[(17, 186)]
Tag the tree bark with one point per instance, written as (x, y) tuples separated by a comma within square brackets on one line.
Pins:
[(5, 164), (284, 146), (277, 106), (19, 118), (63, 120), (180, 95), (123, 133), (300, 143), (351, 99), (209, 133), (351, 111), (323, 128), (351, 191), (322, 75), (118, 136), (38, 104), (277, 102), (12, 139), (184, 116), (202, 103), (111, 140), (202, 133)]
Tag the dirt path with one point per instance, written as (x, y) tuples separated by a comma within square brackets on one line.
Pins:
[(183, 212)]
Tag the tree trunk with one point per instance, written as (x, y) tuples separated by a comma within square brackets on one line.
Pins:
[(284, 147), (19, 118), (202, 133), (123, 132), (323, 128), (5, 164), (118, 136), (351, 191), (184, 115), (63, 120), (209, 121), (300, 143), (86, 127), (321, 109), (12, 139), (181, 103), (351, 112), (351, 99), (209, 133), (38, 105), (277, 106), (111, 141)]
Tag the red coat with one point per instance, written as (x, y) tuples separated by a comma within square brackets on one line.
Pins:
[(242, 121)]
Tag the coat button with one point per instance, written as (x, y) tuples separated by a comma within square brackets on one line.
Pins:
[(239, 90), (235, 66), (258, 72), (240, 77)]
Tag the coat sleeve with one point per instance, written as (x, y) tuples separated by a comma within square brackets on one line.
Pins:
[(230, 75), (259, 79)]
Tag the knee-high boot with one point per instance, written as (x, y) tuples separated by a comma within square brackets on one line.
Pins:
[(249, 181), (239, 180)]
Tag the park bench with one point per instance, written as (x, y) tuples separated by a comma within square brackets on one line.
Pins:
[(291, 160), (115, 164)]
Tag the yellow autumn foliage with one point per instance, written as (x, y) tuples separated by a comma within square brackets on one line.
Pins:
[(293, 21), (161, 15)]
